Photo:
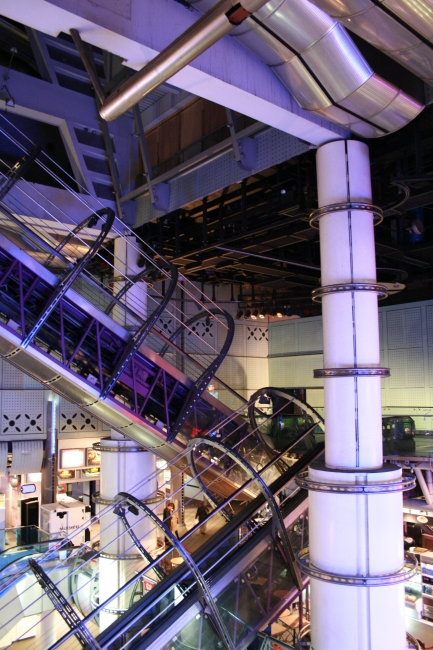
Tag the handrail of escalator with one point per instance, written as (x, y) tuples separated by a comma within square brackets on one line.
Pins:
[(73, 274), (88, 222), (202, 382)]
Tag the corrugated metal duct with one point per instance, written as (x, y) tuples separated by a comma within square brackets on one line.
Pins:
[(400, 28), (317, 61)]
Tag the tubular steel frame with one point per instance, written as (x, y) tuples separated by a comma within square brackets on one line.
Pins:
[(200, 384)]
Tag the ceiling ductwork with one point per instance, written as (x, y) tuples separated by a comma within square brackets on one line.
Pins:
[(401, 29), (317, 61)]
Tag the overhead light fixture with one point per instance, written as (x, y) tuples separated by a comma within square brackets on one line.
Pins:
[(262, 313), (279, 314), (239, 314), (255, 314), (248, 313)]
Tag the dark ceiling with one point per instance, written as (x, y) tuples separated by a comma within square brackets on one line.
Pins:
[(256, 234)]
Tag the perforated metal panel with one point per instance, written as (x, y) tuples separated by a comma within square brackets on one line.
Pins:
[(12, 378), (430, 367), (316, 398), (309, 335), (407, 397), (232, 372), (381, 341), (72, 420), (202, 337), (429, 316), (3, 458), (237, 347), (282, 338), (23, 413), (304, 371), (257, 373), (407, 368), (26, 456), (257, 341), (404, 328)]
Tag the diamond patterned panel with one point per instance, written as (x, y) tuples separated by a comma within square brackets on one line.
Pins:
[(71, 419), (23, 412)]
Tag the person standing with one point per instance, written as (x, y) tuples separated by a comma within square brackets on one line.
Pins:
[(173, 520), (201, 514)]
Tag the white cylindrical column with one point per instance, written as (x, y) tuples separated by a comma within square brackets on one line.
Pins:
[(352, 535), (126, 257), (122, 468)]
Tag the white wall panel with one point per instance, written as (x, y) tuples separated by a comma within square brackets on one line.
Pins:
[(256, 373), (406, 343), (257, 340), (404, 327), (309, 335)]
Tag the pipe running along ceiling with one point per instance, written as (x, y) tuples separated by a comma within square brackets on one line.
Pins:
[(317, 61)]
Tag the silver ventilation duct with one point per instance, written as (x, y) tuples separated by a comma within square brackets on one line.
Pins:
[(221, 19), (400, 28), (317, 61)]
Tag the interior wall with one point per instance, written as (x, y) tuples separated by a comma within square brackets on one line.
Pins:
[(406, 346)]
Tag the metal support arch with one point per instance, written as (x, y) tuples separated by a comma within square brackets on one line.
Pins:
[(138, 338), (195, 571), (63, 607), (120, 512), (285, 394), (200, 384), (264, 488)]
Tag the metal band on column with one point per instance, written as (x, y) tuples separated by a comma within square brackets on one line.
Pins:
[(345, 207), (408, 570)]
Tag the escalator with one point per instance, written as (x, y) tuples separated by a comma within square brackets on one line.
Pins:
[(219, 593), (89, 339)]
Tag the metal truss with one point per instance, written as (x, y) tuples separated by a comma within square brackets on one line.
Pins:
[(138, 338), (65, 610), (17, 171), (189, 562)]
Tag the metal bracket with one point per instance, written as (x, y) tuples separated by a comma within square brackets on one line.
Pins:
[(144, 151), (373, 287), (351, 372), (65, 610)]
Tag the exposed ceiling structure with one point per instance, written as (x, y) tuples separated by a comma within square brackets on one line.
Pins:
[(247, 229)]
